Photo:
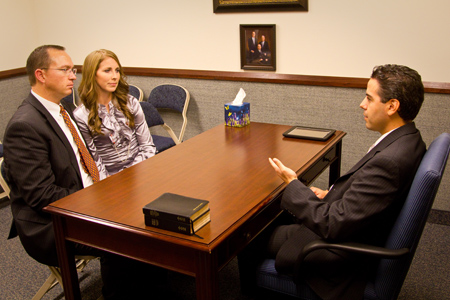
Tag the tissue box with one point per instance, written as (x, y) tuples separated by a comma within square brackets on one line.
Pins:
[(237, 115)]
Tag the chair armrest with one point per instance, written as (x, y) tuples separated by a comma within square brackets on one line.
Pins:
[(354, 247), (358, 248)]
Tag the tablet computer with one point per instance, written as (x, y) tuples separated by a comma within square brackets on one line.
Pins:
[(309, 133)]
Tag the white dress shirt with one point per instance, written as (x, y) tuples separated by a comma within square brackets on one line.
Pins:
[(55, 111)]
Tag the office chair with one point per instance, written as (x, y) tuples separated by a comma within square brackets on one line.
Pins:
[(70, 100), (153, 118), (396, 256), (136, 92), (173, 97)]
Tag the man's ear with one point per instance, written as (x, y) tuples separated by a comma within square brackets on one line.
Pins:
[(393, 106), (40, 76)]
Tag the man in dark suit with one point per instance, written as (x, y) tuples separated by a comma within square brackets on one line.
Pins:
[(43, 163), (363, 204), (252, 47), (264, 44), (40, 162)]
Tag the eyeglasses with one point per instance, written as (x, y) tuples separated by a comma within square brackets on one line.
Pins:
[(65, 70)]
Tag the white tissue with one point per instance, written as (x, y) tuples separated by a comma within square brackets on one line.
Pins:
[(239, 97)]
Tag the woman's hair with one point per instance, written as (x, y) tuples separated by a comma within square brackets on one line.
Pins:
[(88, 89)]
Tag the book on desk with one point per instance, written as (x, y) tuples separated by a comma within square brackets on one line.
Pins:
[(177, 213)]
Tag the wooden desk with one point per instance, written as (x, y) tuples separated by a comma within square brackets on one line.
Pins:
[(225, 165)]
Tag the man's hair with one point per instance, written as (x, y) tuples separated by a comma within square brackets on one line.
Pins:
[(39, 59), (401, 83)]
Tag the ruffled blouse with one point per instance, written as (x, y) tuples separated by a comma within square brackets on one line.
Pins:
[(119, 146)]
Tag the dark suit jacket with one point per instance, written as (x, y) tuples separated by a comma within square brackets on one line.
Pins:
[(41, 168), (361, 207), (264, 47)]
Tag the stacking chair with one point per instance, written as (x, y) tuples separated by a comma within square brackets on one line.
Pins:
[(396, 256), (55, 276), (71, 100), (55, 272), (173, 97), (136, 92), (153, 118), (3, 183)]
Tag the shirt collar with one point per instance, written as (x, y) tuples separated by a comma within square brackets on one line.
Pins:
[(382, 137), (52, 107)]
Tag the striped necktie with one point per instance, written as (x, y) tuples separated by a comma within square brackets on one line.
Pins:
[(86, 159)]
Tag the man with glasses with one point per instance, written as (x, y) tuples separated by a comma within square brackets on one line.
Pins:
[(45, 161)]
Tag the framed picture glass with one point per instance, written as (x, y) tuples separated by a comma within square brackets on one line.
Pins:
[(258, 47)]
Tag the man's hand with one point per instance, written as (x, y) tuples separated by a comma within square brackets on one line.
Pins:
[(319, 193), (284, 172)]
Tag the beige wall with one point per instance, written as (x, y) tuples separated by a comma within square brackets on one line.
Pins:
[(18, 32), (335, 38)]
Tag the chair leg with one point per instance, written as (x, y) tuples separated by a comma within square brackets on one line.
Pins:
[(48, 284), (55, 277)]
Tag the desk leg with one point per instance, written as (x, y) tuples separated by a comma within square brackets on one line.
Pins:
[(335, 166), (66, 260), (207, 276)]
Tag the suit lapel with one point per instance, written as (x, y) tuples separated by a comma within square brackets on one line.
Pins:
[(54, 125), (392, 137)]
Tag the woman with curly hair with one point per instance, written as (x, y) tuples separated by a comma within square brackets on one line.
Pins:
[(111, 121)]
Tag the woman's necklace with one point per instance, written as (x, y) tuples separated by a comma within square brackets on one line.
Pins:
[(121, 156)]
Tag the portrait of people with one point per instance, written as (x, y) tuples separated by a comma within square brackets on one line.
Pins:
[(258, 47)]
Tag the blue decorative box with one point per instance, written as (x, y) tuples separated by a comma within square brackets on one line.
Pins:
[(237, 115)]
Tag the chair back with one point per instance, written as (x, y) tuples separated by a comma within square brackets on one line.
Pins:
[(409, 225), (174, 97), (153, 118), (136, 92), (70, 100)]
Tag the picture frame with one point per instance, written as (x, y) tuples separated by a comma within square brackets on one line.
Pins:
[(258, 47), (225, 6)]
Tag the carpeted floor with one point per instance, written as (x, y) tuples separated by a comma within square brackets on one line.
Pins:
[(21, 276)]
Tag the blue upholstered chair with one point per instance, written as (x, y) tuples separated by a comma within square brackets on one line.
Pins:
[(175, 98), (70, 100), (136, 92), (153, 118), (396, 256)]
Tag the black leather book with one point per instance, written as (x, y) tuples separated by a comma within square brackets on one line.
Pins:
[(181, 227), (176, 208)]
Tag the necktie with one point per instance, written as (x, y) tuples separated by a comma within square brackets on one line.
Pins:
[(87, 162)]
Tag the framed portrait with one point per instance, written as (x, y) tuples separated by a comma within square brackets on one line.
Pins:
[(224, 6), (258, 47)]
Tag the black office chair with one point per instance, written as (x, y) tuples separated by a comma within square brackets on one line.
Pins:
[(396, 256), (153, 118)]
